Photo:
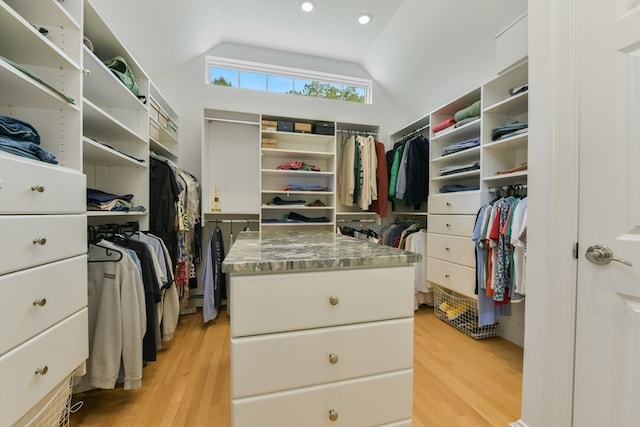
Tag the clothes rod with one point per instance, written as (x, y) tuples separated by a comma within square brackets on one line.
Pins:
[(357, 132), (356, 220), (241, 122), (515, 187), (231, 221), (413, 132)]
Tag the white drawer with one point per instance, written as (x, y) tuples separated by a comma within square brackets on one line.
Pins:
[(452, 276), (460, 250), (60, 349), (368, 401), (22, 244), (404, 423), (303, 358), (464, 202), (268, 303), (32, 302), (26, 187), (456, 225)]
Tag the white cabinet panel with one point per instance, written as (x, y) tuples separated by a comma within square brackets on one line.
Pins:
[(452, 276), (30, 240), (31, 370), (27, 187), (268, 303), (34, 300), (370, 401), (456, 225), (299, 359), (460, 250), (467, 202)]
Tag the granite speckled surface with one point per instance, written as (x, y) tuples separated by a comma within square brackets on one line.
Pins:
[(280, 251)]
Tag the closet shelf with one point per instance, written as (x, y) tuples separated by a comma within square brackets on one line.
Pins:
[(514, 143), (468, 154), (49, 11), (319, 193), (461, 133), (277, 153), (493, 179), (159, 148), (513, 106), (20, 90), (114, 213), (103, 126), (293, 173), (295, 208), (96, 153), (41, 50), (456, 176)]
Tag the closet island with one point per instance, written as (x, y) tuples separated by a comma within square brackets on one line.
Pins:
[(321, 330)]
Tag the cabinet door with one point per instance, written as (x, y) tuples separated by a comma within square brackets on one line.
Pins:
[(460, 250), (31, 370), (368, 401), (34, 299), (29, 188), (30, 240), (266, 303), (303, 358), (452, 276)]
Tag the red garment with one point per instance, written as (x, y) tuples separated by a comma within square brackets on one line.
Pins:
[(381, 205), (443, 125)]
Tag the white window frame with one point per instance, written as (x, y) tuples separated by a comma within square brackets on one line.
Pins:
[(295, 73)]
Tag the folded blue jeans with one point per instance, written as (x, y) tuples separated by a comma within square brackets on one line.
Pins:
[(26, 149), (19, 130)]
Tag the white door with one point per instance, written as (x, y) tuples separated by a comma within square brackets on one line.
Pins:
[(607, 368)]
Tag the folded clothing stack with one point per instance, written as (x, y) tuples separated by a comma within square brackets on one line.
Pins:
[(22, 139), (100, 201)]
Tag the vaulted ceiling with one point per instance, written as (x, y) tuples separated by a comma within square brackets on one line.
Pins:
[(404, 40)]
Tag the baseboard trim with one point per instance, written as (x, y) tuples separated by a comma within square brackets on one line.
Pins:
[(518, 423)]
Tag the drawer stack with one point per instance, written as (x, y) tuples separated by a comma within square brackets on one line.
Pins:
[(42, 281), (331, 348)]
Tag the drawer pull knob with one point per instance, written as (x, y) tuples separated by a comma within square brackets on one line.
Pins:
[(39, 241), (333, 300), (447, 249), (333, 415), (448, 203), (39, 188), (42, 371), (446, 275), (40, 302), (333, 358), (449, 225)]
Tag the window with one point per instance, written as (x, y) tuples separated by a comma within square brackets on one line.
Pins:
[(293, 81)]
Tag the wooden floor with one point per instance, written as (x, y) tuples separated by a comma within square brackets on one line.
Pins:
[(458, 381)]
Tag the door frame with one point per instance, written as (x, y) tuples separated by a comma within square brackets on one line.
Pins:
[(547, 392)]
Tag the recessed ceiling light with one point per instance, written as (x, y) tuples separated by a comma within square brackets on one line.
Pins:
[(307, 6), (365, 18)]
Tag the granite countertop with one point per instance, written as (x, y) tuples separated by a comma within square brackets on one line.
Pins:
[(280, 251)]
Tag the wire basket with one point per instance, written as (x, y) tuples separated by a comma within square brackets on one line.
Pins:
[(55, 409), (462, 313)]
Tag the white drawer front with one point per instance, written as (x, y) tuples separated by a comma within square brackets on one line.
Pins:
[(368, 401), (268, 303), (303, 358), (465, 202), (61, 349), (26, 187), (460, 250), (456, 225), (22, 244), (31, 300), (452, 276), (404, 423)]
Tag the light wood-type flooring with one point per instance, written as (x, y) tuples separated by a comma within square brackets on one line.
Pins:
[(458, 381)]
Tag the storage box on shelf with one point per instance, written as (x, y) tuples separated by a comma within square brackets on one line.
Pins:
[(42, 211), (297, 179), (505, 159), (115, 123), (163, 125)]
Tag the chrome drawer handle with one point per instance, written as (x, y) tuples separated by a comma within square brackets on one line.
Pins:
[(42, 371), (333, 415), (333, 300), (39, 188), (39, 241), (333, 358), (40, 302)]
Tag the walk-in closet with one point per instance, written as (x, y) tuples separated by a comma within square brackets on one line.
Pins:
[(267, 213)]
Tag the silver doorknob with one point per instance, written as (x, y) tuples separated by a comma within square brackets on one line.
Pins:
[(601, 255), (333, 415)]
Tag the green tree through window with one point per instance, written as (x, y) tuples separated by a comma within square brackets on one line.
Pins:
[(221, 81), (329, 91)]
